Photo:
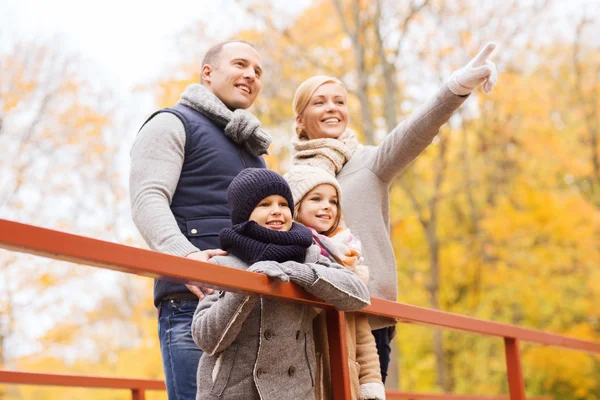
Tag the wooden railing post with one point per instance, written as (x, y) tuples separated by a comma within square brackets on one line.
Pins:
[(137, 394), (338, 355), (516, 384)]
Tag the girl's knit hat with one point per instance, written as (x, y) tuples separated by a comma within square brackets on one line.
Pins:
[(304, 178), (252, 185)]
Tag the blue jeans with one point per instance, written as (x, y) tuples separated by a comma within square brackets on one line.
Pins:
[(180, 355)]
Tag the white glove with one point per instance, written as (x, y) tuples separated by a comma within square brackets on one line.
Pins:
[(479, 70)]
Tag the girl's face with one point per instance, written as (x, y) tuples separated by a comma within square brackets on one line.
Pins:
[(326, 115), (319, 208), (273, 213)]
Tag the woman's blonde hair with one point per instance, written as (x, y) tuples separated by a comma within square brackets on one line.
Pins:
[(305, 92)]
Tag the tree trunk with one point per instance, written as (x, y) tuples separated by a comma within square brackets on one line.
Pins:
[(356, 36), (433, 241), (389, 75)]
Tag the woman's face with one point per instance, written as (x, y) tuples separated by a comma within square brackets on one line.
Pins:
[(326, 115)]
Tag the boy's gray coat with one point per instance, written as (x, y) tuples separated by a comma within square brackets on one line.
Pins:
[(257, 348)]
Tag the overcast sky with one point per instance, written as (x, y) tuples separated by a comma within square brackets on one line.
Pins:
[(124, 42)]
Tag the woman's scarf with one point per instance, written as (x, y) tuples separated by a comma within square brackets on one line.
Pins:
[(240, 126), (251, 242), (327, 153)]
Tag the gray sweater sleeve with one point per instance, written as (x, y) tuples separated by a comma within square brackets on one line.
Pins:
[(331, 282), (219, 318), (156, 161), (413, 135)]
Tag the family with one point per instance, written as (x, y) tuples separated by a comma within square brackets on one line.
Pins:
[(200, 189)]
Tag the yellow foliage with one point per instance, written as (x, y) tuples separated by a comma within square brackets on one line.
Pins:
[(517, 210)]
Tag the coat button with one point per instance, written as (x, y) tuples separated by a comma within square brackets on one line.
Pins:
[(194, 231), (297, 335), (269, 334), (259, 372), (292, 371)]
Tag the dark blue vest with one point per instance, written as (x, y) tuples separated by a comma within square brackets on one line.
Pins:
[(199, 204)]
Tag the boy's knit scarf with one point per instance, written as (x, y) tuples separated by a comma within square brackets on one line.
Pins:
[(329, 154), (251, 242), (240, 126)]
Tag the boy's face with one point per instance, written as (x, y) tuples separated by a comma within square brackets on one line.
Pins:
[(274, 213), (319, 208)]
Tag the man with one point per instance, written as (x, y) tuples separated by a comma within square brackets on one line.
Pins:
[(182, 162)]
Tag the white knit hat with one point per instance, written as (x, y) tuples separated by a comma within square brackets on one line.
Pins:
[(304, 178)]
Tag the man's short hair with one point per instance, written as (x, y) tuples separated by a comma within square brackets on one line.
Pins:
[(212, 55)]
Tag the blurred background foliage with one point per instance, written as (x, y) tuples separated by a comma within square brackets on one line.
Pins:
[(498, 219)]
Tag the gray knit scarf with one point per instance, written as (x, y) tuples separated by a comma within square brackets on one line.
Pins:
[(329, 154), (240, 126)]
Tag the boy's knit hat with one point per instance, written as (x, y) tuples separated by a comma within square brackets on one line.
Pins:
[(252, 185), (304, 178)]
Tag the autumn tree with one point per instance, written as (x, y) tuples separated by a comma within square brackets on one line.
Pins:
[(62, 169)]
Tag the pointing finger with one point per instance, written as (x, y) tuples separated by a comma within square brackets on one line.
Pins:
[(484, 53), (482, 72)]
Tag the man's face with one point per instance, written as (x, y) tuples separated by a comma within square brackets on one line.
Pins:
[(235, 77)]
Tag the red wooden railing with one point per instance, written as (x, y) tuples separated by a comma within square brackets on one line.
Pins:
[(137, 387), (82, 250)]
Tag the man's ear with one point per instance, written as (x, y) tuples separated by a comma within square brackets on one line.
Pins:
[(206, 72)]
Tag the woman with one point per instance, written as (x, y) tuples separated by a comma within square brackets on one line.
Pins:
[(366, 172)]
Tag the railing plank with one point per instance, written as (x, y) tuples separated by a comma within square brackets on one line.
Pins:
[(140, 385), (447, 396), (406, 313), (78, 249), (99, 253), (28, 378)]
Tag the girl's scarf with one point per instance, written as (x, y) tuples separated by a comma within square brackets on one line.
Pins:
[(251, 242), (343, 248), (329, 154), (240, 126)]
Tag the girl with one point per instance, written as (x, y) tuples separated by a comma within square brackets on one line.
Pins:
[(256, 348), (317, 196)]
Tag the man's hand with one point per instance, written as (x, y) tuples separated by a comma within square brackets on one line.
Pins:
[(479, 70), (203, 256)]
